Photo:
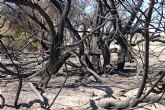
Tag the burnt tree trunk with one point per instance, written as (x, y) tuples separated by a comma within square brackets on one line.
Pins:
[(123, 52), (95, 38), (95, 57), (48, 72), (55, 62)]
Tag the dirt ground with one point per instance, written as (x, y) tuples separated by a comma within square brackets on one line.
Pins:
[(74, 96)]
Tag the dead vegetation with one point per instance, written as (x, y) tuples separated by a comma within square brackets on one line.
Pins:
[(98, 60)]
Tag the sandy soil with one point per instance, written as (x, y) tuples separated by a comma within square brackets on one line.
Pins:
[(74, 96)]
